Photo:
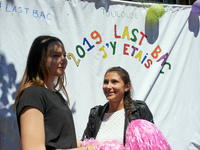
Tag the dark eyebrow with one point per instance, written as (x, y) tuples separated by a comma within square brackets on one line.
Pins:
[(58, 52), (105, 80), (114, 80)]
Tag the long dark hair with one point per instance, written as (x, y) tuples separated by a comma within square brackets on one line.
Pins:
[(36, 72), (128, 102)]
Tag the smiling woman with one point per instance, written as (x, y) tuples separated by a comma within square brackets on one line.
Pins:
[(109, 122), (114, 89), (44, 118)]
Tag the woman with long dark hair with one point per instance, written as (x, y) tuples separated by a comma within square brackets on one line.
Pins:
[(44, 118), (109, 122)]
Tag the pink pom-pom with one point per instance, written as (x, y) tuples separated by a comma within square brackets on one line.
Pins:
[(107, 145), (144, 135), (90, 141), (111, 145)]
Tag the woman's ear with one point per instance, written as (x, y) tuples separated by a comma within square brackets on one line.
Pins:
[(127, 87)]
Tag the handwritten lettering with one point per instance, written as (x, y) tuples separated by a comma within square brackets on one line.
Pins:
[(122, 14), (27, 11)]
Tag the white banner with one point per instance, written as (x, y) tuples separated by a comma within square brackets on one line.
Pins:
[(161, 56)]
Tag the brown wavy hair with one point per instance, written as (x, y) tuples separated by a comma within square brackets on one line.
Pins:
[(128, 102), (36, 72)]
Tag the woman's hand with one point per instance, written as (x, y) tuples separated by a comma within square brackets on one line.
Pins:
[(79, 142)]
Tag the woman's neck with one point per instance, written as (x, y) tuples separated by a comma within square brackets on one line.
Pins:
[(113, 107), (49, 84)]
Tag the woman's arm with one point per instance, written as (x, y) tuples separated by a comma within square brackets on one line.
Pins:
[(144, 111), (33, 133), (89, 147), (79, 142), (89, 130), (32, 129)]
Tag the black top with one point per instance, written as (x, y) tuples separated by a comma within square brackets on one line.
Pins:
[(140, 110), (58, 120)]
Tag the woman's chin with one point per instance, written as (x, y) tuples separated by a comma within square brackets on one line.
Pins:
[(109, 98)]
